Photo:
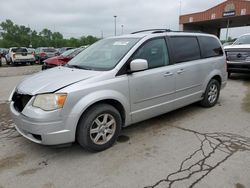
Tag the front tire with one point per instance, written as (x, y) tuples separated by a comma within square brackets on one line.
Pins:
[(212, 94), (99, 127)]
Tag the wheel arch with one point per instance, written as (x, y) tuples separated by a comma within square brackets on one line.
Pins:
[(114, 98), (115, 103), (213, 75)]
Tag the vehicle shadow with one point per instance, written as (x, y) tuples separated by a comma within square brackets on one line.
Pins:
[(241, 77)]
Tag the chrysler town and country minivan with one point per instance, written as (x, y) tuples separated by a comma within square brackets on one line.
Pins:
[(116, 82)]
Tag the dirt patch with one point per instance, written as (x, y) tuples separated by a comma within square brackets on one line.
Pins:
[(238, 185), (7, 126), (11, 161), (48, 185), (5, 119), (29, 171), (246, 100)]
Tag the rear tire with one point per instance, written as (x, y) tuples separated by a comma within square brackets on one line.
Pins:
[(212, 94), (12, 62), (99, 127)]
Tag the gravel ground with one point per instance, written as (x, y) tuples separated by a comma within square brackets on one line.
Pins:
[(190, 147)]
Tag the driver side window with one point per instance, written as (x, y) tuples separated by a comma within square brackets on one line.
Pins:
[(155, 52)]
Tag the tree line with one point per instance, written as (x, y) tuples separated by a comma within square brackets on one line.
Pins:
[(13, 35)]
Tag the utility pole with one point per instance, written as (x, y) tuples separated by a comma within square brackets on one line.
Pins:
[(180, 8), (30, 45), (115, 23), (228, 23), (122, 28)]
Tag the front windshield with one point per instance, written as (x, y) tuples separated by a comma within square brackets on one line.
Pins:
[(245, 39), (104, 54), (68, 52)]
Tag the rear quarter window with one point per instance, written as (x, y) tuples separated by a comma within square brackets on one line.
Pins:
[(185, 48), (210, 47)]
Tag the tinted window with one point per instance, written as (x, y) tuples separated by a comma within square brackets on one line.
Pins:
[(155, 52), (210, 47), (49, 50), (185, 49), (245, 39), (19, 50)]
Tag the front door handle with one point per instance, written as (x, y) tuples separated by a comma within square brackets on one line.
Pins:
[(168, 74), (180, 71)]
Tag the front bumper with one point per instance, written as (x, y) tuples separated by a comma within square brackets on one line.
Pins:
[(238, 67), (41, 132), (24, 60)]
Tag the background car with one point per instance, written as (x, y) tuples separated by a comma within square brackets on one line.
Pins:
[(0, 59), (61, 59), (44, 53), (62, 50), (238, 55), (18, 55), (31, 50)]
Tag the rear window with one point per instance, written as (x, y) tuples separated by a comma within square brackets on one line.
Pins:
[(210, 47), (185, 48), (19, 50), (49, 50)]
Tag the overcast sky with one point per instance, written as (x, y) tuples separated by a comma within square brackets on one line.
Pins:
[(74, 18)]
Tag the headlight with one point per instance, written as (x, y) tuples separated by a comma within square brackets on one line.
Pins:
[(49, 102)]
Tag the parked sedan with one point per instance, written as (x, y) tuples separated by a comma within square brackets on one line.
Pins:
[(238, 55), (44, 53), (62, 59)]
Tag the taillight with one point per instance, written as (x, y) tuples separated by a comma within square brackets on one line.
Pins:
[(42, 54)]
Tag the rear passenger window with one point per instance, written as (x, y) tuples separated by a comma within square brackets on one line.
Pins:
[(210, 47), (185, 49)]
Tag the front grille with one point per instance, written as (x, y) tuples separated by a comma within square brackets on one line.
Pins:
[(20, 101), (238, 55)]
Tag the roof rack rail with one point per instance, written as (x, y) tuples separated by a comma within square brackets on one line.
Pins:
[(190, 31), (167, 30), (153, 31)]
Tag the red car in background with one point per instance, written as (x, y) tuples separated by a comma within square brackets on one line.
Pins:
[(62, 59)]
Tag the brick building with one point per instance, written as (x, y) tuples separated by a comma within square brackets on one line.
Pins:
[(231, 13)]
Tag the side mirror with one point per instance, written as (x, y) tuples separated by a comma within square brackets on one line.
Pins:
[(138, 65)]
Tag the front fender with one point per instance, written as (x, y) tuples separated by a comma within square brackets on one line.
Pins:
[(85, 102)]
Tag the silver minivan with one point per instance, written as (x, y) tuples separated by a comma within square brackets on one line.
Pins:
[(117, 82)]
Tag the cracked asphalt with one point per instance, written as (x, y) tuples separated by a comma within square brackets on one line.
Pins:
[(190, 147)]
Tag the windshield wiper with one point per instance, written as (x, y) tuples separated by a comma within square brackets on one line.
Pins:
[(78, 67)]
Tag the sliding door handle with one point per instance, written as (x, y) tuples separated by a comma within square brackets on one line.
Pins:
[(168, 74), (180, 71)]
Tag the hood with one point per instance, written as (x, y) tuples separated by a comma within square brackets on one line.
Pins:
[(241, 46), (53, 79)]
